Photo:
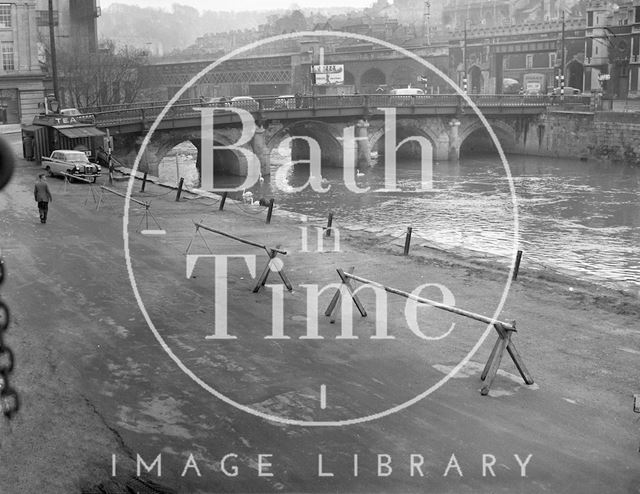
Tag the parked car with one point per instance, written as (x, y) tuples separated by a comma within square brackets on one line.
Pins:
[(407, 91), (567, 91), (218, 101), (70, 111), (244, 102), (64, 161), (286, 101), (408, 96)]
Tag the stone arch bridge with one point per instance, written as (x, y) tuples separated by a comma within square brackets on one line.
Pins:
[(445, 123)]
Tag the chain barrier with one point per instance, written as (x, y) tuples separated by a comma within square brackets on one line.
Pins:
[(393, 237), (9, 403), (248, 211)]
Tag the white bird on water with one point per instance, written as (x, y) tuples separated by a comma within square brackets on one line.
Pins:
[(247, 197), (359, 173)]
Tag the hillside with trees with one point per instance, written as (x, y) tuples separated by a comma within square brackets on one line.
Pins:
[(162, 31)]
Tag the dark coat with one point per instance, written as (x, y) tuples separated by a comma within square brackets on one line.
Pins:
[(41, 191)]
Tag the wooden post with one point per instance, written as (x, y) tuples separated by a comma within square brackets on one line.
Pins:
[(517, 267), (179, 193), (270, 211), (407, 242), (144, 182), (329, 223), (109, 160), (222, 201)]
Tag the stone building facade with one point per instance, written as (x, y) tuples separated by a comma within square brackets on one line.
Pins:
[(21, 78)]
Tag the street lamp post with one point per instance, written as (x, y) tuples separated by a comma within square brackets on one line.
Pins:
[(426, 23)]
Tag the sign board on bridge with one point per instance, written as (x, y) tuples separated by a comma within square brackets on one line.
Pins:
[(328, 74)]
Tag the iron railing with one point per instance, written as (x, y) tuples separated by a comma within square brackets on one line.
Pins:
[(286, 107)]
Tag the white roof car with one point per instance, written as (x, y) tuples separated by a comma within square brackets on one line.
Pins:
[(285, 101), (70, 111), (71, 162), (245, 102), (407, 91)]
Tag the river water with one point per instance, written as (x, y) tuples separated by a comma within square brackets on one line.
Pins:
[(576, 216)]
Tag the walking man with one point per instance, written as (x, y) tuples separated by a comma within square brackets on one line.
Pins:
[(43, 197)]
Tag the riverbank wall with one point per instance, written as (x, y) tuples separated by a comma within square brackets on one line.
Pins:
[(611, 136)]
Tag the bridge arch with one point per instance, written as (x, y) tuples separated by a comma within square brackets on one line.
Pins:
[(349, 79), (403, 76), (178, 157), (228, 163), (475, 137), (575, 74), (404, 130), (371, 79), (476, 80), (330, 145)]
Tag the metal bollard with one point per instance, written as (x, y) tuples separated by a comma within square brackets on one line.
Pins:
[(407, 241), (329, 223), (144, 182), (517, 267), (179, 193), (270, 211), (222, 201)]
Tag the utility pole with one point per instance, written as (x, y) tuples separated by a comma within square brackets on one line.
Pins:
[(52, 42), (562, 61)]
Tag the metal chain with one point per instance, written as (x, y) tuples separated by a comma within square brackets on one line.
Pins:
[(9, 403)]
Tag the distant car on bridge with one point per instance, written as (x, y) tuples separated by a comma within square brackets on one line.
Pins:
[(244, 102), (555, 91), (218, 101), (407, 91), (408, 96), (286, 101)]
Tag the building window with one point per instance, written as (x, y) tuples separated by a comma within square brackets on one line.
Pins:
[(529, 62), (552, 60), (42, 18), (637, 16), (589, 19), (5, 15), (7, 56)]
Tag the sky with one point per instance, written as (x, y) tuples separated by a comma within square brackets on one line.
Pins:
[(239, 5)]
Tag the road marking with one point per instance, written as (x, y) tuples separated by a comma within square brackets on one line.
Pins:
[(323, 396), (154, 232)]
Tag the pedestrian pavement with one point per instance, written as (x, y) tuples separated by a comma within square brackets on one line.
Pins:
[(128, 313)]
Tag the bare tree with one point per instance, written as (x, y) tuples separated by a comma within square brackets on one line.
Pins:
[(109, 76)]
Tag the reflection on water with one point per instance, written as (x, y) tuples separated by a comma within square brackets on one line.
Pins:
[(573, 215)]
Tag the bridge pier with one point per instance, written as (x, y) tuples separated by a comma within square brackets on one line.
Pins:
[(454, 140), (261, 151), (363, 157)]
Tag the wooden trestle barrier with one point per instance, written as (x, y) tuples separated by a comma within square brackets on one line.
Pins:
[(504, 329), (272, 252), (146, 205), (67, 181)]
